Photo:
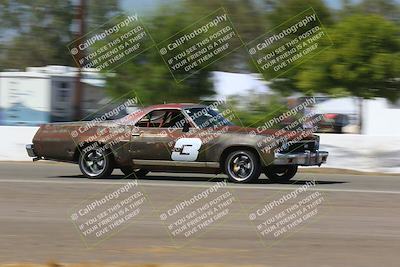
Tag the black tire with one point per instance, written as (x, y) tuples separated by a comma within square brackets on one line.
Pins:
[(242, 166), (280, 174), (338, 129), (136, 173), (96, 163)]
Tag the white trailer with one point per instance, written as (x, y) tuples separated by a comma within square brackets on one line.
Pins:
[(24, 98), (46, 94)]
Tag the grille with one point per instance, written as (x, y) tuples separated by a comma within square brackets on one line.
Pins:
[(299, 147)]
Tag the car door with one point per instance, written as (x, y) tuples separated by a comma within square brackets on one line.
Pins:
[(160, 136), (148, 139)]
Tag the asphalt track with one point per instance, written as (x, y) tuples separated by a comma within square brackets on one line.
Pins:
[(356, 225)]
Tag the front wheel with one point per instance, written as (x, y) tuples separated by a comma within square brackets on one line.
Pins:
[(95, 163), (242, 166), (280, 174)]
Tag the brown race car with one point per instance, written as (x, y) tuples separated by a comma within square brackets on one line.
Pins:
[(177, 138)]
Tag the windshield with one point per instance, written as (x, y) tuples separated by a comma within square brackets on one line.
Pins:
[(206, 117)]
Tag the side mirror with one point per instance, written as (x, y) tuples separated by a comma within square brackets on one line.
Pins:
[(186, 127)]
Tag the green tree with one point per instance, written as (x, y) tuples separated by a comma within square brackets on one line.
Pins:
[(148, 76), (277, 12), (258, 110), (388, 9), (365, 60), (35, 33), (247, 18)]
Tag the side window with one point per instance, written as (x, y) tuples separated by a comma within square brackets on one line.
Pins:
[(175, 119), (152, 119), (162, 119)]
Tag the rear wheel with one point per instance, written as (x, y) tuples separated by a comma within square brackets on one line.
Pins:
[(137, 173), (95, 163), (280, 174), (242, 166), (338, 129)]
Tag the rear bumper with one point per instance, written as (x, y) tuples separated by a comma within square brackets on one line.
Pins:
[(307, 158), (30, 151)]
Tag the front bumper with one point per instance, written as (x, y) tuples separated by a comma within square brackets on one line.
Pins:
[(30, 151), (307, 158)]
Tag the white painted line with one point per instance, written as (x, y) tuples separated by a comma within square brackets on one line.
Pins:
[(185, 184)]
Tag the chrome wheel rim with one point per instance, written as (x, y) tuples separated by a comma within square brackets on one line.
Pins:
[(94, 162), (240, 166)]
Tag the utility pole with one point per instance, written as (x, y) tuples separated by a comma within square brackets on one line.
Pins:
[(80, 18)]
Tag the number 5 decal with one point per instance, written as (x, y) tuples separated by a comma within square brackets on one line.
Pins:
[(186, 149)]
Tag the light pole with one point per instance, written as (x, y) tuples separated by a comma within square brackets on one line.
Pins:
[(80, 17)]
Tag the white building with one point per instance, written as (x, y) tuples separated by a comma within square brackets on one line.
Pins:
[(239, 84), (242, 86), (380, 117)]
